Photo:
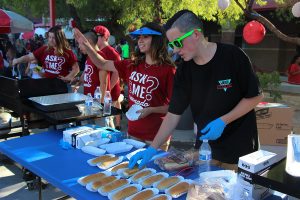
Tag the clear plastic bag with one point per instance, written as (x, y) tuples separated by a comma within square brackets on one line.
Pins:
[(175, 160)]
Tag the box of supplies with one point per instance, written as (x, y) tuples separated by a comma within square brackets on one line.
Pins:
[(274, 123), (255, 163)]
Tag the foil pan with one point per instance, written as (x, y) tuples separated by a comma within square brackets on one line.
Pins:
[(58, 101)]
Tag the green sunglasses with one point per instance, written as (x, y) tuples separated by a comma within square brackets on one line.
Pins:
[(178, 42)]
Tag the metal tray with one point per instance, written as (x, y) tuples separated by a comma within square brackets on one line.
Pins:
[(58, 101)]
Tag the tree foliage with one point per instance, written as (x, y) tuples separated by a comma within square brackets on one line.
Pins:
[(133, 13)]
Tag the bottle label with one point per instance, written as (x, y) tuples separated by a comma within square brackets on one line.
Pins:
[(88, 103), (97, 96), (205, 157)]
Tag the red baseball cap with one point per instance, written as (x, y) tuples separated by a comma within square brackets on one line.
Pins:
[(102, 31)]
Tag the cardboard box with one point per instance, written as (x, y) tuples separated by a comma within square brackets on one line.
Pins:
[(274, 123), (254, 163)]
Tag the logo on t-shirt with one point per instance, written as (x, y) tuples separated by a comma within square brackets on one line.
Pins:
[(53, 64), (141, 87), (224, 84), (88, 75)]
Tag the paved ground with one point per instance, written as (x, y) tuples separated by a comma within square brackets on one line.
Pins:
[(12, 187)]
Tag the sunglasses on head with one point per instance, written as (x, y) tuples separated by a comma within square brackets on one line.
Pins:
[(178, 41)]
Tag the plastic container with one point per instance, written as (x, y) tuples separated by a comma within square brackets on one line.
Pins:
[(88, 103), (97, 94), (204, 157), (107, 103)]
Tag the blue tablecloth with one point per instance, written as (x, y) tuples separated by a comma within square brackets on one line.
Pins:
[(41, 154)]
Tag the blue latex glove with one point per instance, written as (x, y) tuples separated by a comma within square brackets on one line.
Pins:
[(213, 130), (145, 155)]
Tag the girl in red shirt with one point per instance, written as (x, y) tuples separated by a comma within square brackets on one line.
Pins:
[(57, 58), (149, 75), (294, 70)]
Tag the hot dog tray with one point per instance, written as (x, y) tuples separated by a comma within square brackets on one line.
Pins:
[(58, 101)]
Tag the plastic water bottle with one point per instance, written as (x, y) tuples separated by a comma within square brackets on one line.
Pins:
[(97, 94), (88, 103), (107, 103), (204, 157)]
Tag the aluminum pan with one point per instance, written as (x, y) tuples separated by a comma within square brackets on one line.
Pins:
[(59, 99), (58, 102)]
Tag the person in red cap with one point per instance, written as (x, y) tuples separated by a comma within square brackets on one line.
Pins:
[(57, 58), (109, 53), (149, 75), (92, 77)]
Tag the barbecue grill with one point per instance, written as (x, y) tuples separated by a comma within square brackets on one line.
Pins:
[(14, 94)]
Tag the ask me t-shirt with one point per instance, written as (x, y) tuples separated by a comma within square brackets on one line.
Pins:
[(53, 64), (148, 86)]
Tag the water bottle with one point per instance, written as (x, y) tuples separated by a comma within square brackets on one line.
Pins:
[(88, 103), (97, 94), (107, 103), (204, 157)]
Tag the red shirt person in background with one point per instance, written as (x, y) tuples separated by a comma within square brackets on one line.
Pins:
[(92, 77), (57, 59), (109, 53), (149, 75), (294, 70)]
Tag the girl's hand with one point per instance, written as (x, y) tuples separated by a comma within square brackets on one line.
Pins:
[(144, 112)]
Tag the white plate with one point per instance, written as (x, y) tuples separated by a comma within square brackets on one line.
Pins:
[(115, 173), (131, 114), (120, 159), (91, 189), (106, 146), (154, 190), (92, 164), (111, 195), (137, 144), (93, 150), (83, 184), (167, 191), (146, 169), (141, 182), (128, 156), (100, 190), (160, 195), (179, 178)]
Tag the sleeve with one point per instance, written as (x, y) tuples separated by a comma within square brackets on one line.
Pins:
[(181, 92), (293, 68), (72, 57), (38, 53), (170, 82), (122, 67), (248, 80)]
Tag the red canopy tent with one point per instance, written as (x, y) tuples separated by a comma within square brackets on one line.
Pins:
[(11, 22)]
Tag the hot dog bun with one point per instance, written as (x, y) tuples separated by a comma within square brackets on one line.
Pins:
[(103, 181), (152, 179), (114, 185), (145, 194), (141, 174), (179, 189), (125, 192), (168, 182), (129, 172), (107, 162), (160, 197), (92, 177), (100, 159), (119, 166)]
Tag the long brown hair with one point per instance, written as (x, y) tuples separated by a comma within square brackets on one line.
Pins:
[(158, 50), (60, 39)]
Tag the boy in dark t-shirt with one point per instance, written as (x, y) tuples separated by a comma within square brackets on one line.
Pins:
[(218, 81)]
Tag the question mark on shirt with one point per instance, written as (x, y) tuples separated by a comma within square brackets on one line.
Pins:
[(153, 85)]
